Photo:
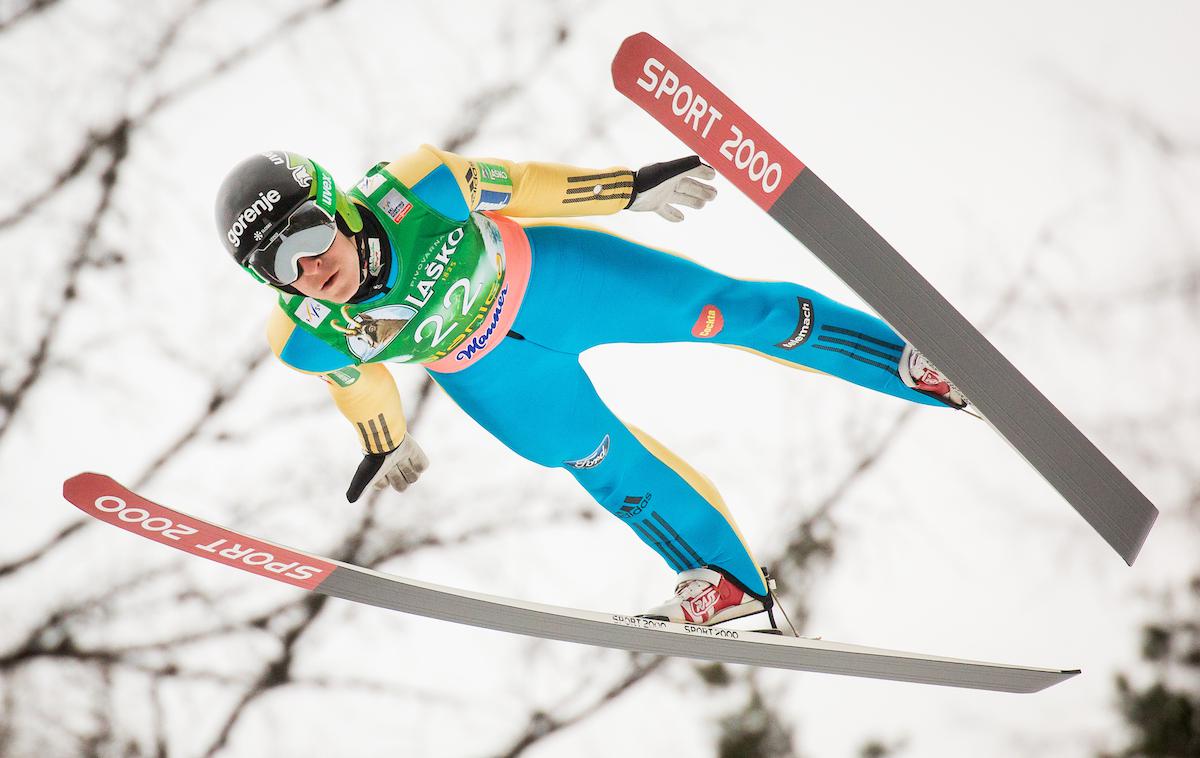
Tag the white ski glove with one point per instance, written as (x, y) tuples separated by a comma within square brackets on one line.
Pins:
[(660, 186), (399, 467)]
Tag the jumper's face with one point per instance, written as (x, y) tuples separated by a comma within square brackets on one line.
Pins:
[(333, 275)]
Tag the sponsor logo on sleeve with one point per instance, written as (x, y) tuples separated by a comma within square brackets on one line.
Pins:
[(710, 322), (493, 174), (343, 377), (472, 180), (496, 191), (592, 461), (803, 328), (490, 200)]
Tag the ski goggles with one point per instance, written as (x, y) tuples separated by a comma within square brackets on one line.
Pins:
[(308, 232)]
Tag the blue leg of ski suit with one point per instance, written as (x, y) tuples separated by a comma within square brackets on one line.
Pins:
[(591, 288)]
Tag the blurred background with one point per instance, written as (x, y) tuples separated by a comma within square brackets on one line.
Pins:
[(1039, 162)]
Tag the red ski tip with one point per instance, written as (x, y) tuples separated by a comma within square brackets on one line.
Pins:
[(680, 98), (104, 499)]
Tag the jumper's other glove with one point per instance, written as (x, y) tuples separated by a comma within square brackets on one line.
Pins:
[(399, 467), (657, 186)]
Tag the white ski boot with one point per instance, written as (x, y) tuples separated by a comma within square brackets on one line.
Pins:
[(917, 372), (705, 597)]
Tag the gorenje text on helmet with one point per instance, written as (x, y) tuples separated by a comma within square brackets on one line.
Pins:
[(265, 202)]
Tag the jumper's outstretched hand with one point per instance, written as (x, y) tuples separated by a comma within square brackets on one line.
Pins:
[(399, 468), (659, 187)]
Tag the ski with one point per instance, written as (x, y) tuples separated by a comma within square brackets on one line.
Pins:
[(101, 497), (695, 111)]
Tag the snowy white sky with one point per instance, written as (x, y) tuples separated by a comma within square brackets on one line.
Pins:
[(1039, 162)]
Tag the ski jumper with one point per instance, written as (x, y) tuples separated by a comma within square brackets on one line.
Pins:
[(498, 314)]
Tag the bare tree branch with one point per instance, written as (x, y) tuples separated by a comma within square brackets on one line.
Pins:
[(116, 146), (37, 554), (542, 725), (30, 10), (219, 399)]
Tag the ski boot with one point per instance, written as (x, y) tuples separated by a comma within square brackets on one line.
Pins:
[(705, 597), (917, 372)]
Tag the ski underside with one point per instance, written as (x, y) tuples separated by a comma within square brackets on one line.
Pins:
[(708, 122), (101, 497)]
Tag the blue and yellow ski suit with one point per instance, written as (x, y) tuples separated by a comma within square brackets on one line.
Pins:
[(577, 288)]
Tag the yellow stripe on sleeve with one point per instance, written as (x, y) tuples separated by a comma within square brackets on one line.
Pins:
[(538, 189)]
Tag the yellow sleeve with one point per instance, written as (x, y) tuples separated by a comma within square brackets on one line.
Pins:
[(530, 189), (366, 394), (371, 402)]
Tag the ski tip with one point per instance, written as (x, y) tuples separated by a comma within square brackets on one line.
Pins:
[(82, 478), (1133, 549), (626, 53), (1048, 678), (86, 484), (637, 38), (83, 474)]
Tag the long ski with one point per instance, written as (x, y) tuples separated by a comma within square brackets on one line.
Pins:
[(102, 498), (695, 111)]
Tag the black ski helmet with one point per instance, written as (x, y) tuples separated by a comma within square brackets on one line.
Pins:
[(258, 197)]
